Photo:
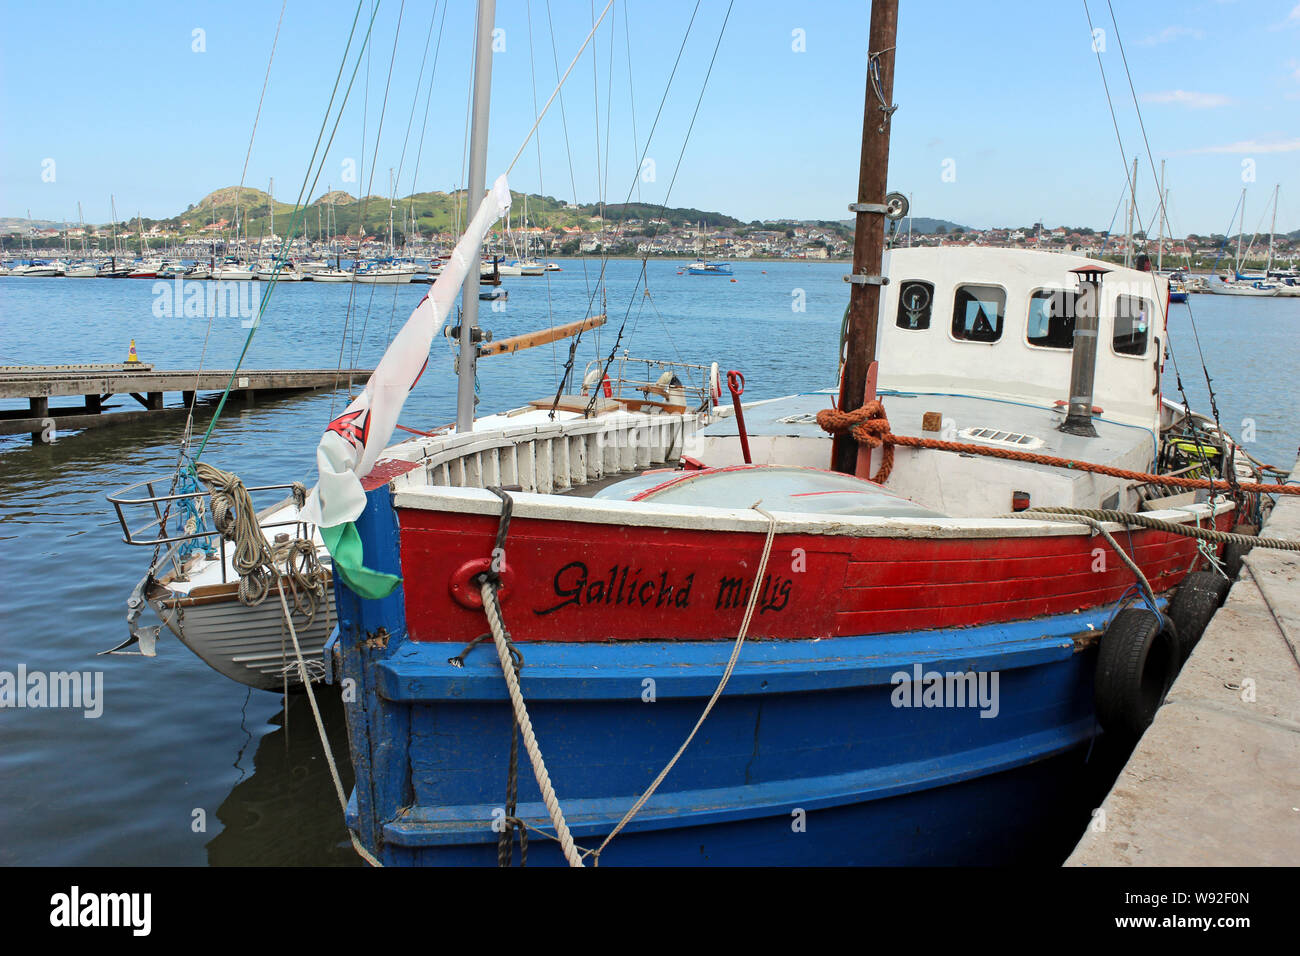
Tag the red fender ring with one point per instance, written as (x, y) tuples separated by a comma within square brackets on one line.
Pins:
[(464, 588)]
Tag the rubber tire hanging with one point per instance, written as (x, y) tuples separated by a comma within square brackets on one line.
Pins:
[(1136, 665), (1193, 605)]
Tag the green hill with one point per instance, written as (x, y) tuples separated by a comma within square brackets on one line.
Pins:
[(433, 212)]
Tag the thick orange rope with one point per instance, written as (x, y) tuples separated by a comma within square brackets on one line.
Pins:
[(869, 426)]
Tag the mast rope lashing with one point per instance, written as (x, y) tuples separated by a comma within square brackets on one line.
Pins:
[(869, 426)]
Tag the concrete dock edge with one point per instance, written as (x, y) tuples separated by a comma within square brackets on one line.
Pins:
[(1215, 781)]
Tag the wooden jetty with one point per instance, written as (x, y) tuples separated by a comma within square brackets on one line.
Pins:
[(1215, 780), (95, 384)]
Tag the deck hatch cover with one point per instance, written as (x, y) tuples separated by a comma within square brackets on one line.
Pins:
[(997, 436)]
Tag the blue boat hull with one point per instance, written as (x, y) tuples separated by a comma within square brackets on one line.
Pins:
[(820, 752)]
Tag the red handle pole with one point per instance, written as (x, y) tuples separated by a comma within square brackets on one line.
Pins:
[(736, 382)]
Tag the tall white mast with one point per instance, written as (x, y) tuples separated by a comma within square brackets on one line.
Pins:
[(1272, 229), (1241, 227), (468, 360), (1160, 236), (1132, 208)]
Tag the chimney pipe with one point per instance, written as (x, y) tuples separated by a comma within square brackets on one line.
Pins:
[(1083, 369)]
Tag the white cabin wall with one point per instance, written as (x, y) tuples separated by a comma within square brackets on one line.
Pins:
[(931, 360)]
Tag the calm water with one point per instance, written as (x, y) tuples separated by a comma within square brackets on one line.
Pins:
[(186, 767)]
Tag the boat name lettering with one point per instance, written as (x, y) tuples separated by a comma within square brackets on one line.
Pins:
[(626, 586), (735, 593)]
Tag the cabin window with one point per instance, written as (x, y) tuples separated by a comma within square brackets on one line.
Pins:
[(914, 301), (978, 311), (1051, 318), (1132, 324)]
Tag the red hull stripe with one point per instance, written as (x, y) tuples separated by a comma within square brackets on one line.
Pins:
[(570, 581)]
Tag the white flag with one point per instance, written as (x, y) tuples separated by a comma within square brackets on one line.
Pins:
[(353, 441)]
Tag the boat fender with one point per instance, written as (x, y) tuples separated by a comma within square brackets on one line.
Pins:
[(1193, 605), (1136, 665), (715, 383), (591, 378)]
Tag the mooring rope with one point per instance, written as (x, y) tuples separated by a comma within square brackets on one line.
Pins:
[(502, 641), (1096, 525), (507, 655), (324, 738), (869, 426), (726, 676), (1157, 524)]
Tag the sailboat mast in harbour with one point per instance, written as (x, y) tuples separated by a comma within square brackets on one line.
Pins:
[(1160, 235), (869, 233), (1268, 267), (1241, 228), (1132, 211)]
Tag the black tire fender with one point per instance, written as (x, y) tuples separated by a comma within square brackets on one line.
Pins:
[(1136, 665), (1193, 605)]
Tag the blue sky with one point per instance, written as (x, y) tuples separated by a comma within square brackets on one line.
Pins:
[(1006, 98)]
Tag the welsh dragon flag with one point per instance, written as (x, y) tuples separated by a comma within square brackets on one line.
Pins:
[(354, 440)]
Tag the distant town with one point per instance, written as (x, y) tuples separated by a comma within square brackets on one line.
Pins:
[(243, 221)]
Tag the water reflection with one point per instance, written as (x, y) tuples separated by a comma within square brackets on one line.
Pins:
[(284, 811)]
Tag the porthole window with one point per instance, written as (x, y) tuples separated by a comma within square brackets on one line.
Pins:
[(915, 300), (978, 312), (1051, 319), (1133, 316)]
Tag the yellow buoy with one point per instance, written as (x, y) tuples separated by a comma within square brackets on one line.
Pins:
[(131, 356)]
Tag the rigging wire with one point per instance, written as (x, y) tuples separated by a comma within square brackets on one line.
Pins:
[(541, 187), (568, 147), (676, 169), (360, 341), (424, 126), (1214, 404), (266, 294), (239, 190), (635, 177)]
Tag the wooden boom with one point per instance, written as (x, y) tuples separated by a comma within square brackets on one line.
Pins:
[(541, 337)]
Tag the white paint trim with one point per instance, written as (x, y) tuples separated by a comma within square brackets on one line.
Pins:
[(644, 514)]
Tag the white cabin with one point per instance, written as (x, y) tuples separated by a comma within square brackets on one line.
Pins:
[(983, 322)]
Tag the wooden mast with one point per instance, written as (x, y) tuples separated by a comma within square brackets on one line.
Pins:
[(869, 226)]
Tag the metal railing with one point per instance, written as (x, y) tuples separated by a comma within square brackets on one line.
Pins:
[(127, 499)]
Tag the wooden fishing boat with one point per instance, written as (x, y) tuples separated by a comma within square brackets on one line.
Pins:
[(865, 588), (855, 595), (856, 625)]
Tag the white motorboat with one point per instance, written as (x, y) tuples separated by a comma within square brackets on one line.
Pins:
[(233, 271)]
